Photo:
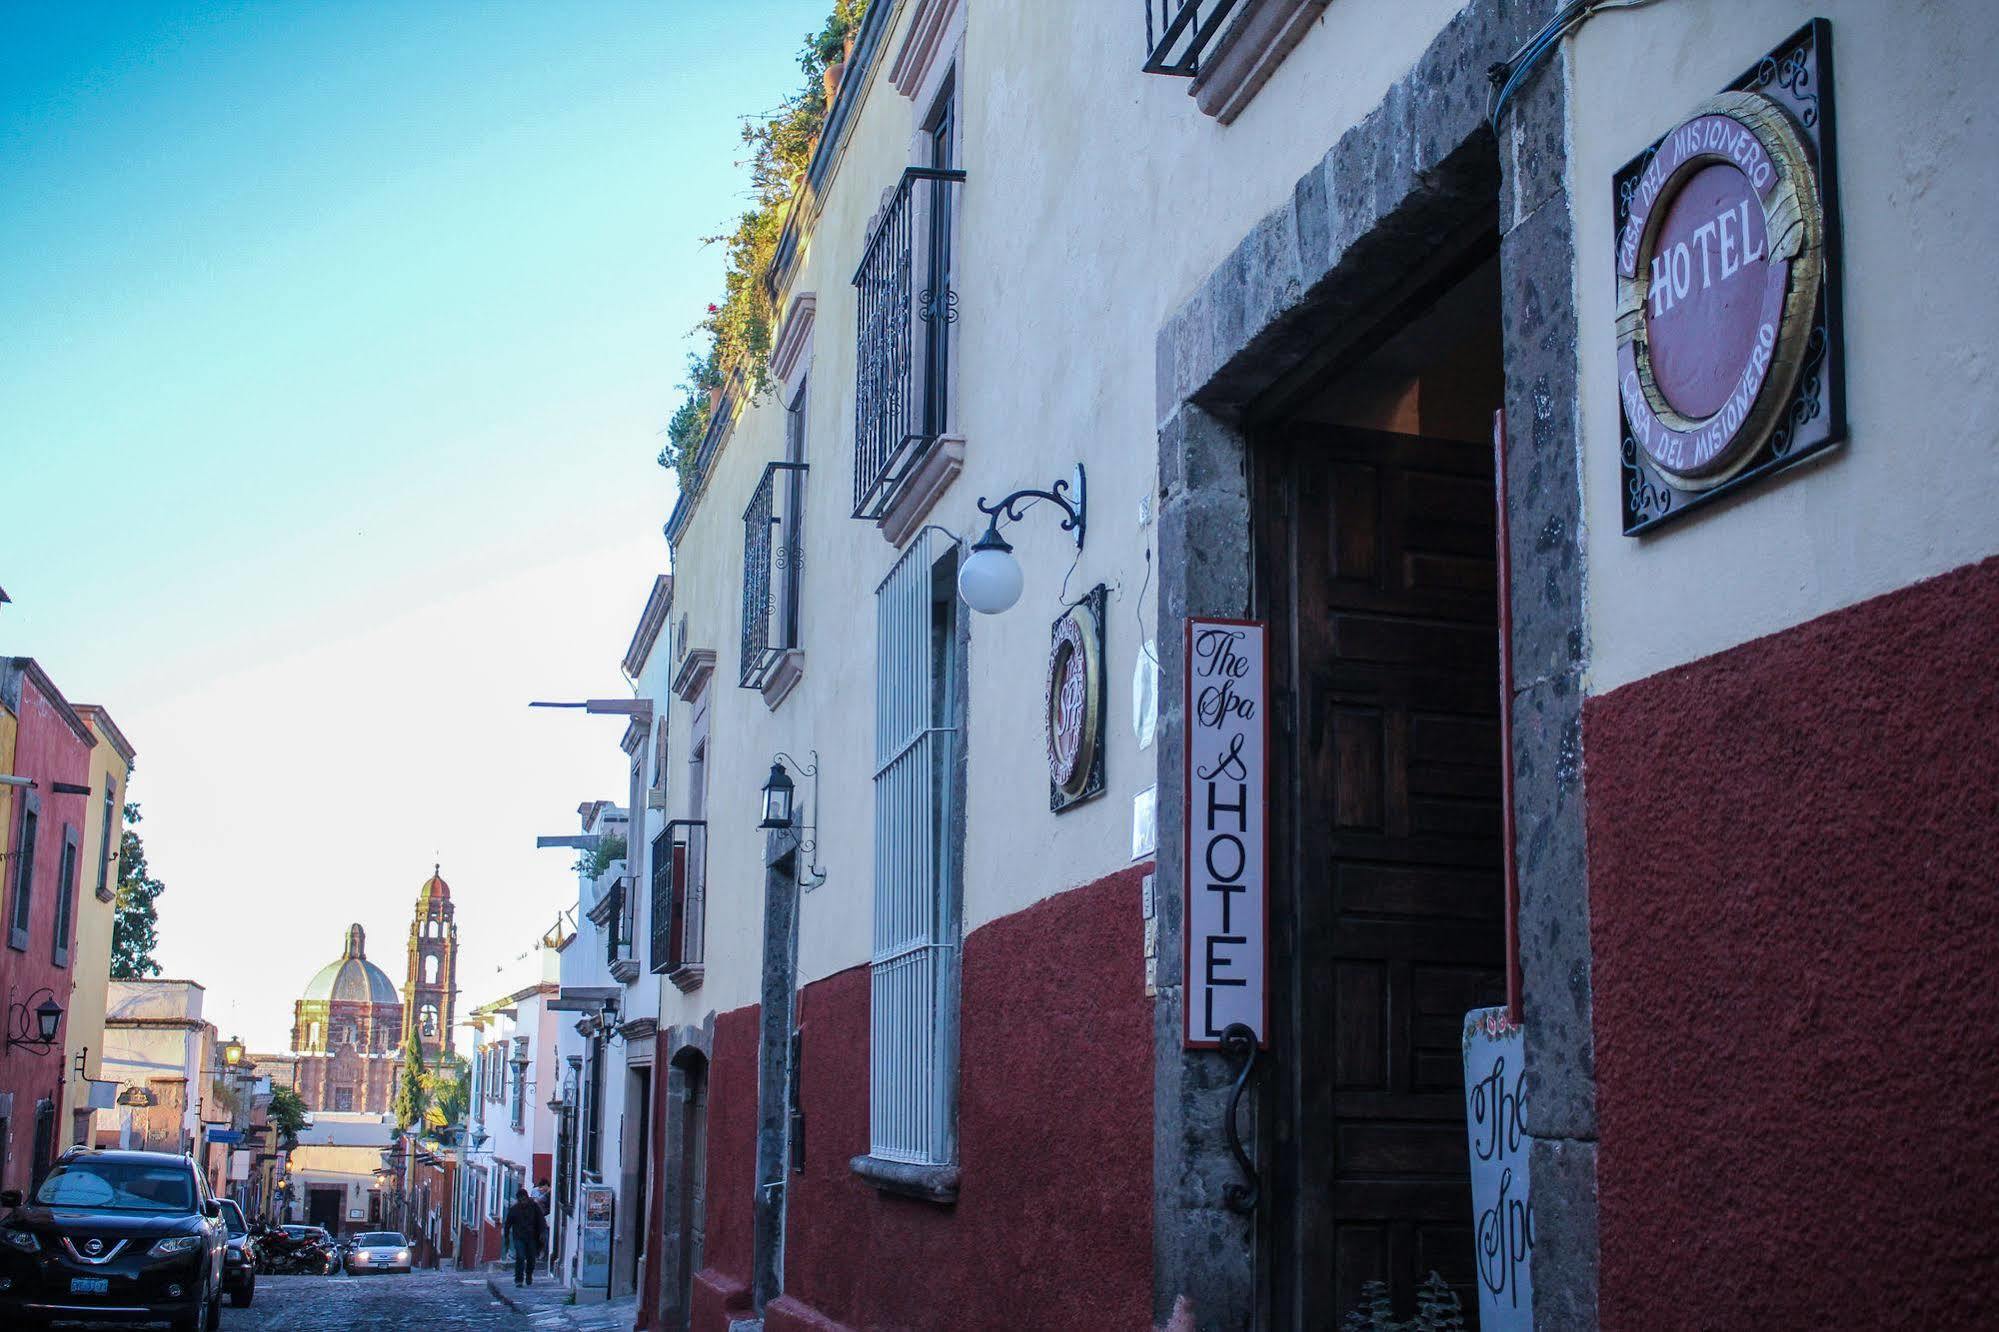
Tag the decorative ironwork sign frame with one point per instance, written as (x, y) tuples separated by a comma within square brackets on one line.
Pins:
[(1730, 357), (1074, 711)]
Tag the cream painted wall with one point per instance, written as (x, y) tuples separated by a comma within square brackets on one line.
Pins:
[(1097, 197), (90, 958), (1915, 491)]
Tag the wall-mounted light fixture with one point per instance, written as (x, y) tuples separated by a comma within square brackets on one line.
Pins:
[(779, 815), (34, 1029), (990, 580)]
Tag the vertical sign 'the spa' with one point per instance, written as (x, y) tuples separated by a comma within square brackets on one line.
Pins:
[(1226, 813)]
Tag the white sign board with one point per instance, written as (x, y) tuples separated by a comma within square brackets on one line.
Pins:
[(1227, 816), (1502, 1213)]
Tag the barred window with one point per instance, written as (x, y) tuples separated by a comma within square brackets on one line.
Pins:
[(919, 673)]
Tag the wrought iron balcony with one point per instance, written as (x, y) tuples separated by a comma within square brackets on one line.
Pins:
[(679, 862), (905, 309), (617, 934), (1178, 32), (773, 555)]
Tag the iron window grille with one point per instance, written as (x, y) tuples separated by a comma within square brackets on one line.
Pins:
[(1179, 32), (913, 973), (617, 938), (680, 853), (904, 310), (773, 553)]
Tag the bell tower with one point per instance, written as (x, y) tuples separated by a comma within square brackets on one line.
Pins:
[(430, 993)]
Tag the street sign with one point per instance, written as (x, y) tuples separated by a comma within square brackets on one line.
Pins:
[(1502, 1210)]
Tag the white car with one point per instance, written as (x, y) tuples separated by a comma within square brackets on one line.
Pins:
[(377, 1251)]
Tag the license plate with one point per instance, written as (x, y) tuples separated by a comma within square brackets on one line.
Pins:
[(89, 1285)]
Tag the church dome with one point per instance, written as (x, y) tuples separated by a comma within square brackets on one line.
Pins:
[(352, 978), (434, 886)]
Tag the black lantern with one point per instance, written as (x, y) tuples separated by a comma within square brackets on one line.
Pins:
[(232, 1053), (34, 1029), (777, 799)]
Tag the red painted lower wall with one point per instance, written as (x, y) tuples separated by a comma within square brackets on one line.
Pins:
[(1053, 1224), (722, 1286), (1793, 847)]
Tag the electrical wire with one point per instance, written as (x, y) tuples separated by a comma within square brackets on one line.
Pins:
[(1508, 75)]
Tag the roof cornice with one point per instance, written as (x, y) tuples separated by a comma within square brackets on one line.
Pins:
[(98, 716), (659, 602), (46, 687)]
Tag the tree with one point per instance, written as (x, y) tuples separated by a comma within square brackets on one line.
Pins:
[(136, 919), (411, 1090), (444, 1086), (287, 1112)]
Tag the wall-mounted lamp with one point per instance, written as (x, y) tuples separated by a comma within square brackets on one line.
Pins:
[(34, 1029), (779, 814), (990, 580), (232, 1053)]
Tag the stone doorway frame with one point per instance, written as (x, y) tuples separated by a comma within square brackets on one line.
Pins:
[(1360, 230)]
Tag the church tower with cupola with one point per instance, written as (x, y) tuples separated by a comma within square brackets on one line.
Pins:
[(430, 994)]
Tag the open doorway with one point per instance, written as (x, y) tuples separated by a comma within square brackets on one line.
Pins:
[(1374, 514), (636, 1144)]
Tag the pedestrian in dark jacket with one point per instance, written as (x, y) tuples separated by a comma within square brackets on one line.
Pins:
[(526, 1230)]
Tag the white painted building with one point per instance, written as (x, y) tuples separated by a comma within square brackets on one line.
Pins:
[(162, 1054)]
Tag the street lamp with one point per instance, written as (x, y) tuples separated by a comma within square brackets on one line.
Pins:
[(777, 799), (34, 1030), (990, 580), (232, 1053)]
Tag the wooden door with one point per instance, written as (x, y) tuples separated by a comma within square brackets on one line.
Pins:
[(1376, 568)]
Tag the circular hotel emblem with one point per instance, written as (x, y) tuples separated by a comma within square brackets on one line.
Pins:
[(1718, 270), (1075, 690)]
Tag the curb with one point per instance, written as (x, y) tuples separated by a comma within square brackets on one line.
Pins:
[(493, 1285)]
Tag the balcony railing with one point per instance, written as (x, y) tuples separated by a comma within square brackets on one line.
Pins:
[(1178, 32), (680, 854), (773, 551), (904, 312), (617, 934)]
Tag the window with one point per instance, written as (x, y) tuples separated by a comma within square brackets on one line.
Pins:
[(427, 1020), (343, 1098), (919, 674), (24, 874), (772, 553), (104, 888), (65, 898), (904, 313), (677, 898), (593, 1108), (1177, 32), (520, 1097)]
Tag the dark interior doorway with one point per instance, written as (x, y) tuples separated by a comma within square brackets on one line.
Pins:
[(323, 1208), (1373, 496)]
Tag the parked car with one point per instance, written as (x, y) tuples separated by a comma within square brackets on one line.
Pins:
[(114, 1237), (239, 1259), (378, 1251)]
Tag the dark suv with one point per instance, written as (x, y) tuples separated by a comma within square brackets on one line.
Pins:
[(114, 1237)]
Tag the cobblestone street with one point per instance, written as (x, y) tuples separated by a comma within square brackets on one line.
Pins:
[(421, 1300)]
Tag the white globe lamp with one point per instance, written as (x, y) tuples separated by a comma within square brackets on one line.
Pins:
[(990, 578)]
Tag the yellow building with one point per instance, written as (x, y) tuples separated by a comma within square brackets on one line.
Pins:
[(90, 973)]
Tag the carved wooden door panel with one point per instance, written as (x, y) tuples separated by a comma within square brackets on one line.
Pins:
[(1376, 569)]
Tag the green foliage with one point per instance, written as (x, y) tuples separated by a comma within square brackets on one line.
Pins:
[(445, 1086), (1437, 1310), (592, 864), (136, 917), (412, 1088), (738, 328), (287, 1112)]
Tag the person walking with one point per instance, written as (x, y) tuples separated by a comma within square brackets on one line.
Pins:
[(526, 1230)]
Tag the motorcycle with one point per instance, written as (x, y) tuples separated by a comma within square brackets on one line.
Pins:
[(305, 1255)]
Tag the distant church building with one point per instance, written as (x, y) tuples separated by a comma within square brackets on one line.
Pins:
[(349, 1026), (430, 994)]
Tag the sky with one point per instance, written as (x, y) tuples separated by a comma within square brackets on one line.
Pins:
[(336, 344)]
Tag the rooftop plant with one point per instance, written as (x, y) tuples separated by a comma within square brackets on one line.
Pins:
[(735, 332)]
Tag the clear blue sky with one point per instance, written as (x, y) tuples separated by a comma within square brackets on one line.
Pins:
[(335, 343)]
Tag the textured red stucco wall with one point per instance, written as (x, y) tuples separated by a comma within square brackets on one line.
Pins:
[(1053, 1223), (722, 1286), (1792, 851), (46, 749)]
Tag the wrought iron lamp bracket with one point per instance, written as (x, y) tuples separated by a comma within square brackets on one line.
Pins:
[(808, 833), (21, 1024), (1068, 494)]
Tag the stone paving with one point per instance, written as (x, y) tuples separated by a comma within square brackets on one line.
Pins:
[(428, 1301)]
